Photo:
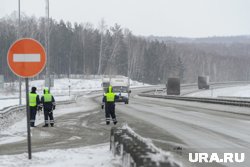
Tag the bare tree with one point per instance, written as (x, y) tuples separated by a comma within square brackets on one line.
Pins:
[(116, 34), (102, 27), (86, 27)]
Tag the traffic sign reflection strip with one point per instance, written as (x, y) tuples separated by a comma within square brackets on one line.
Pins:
[(26, 58)]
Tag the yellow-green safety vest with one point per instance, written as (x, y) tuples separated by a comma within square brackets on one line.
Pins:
[(47, 97), (110, 96), (32, 99)]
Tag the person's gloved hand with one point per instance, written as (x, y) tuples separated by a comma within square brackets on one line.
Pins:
[(102, 106), (54, 107)]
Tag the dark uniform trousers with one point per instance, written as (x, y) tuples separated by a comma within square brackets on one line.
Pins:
[(110, 111), (48, 114), (33, 111)]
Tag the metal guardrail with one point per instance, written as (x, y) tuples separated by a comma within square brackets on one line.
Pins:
[(5, 111), (8, 109), (234, 97), (233, 102), (160, 89), (8, 113), (232, 83), (217, 85), (136, 152), (244, 102)]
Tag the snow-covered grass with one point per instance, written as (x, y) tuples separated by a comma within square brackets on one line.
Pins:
[(236, 91), (91, 156)]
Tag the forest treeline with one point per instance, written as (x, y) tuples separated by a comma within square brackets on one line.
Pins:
[(83, 49)]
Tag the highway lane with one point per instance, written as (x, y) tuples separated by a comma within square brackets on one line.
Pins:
[(187, 89), (193, 128)]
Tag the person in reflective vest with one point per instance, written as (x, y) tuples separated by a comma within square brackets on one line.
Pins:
[(34, 104), (109, 101), (48, 103)]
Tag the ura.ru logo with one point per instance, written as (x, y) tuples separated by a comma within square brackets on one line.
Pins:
[(214, 157)]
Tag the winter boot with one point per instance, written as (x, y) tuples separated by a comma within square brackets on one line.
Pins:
[(46, 125), (52, 124), (115, 122), (107, 122)]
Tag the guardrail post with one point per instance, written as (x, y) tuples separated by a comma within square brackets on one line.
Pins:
[(134, 151)]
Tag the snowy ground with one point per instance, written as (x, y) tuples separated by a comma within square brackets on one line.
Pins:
[(236, 91), (92, 156), (18, 131)]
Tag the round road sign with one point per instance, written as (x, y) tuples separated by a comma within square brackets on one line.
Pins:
[(26, 57)]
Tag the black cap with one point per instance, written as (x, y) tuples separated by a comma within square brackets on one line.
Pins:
[(33, 89)]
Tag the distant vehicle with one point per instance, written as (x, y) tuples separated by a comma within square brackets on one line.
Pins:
[(203, 82), (173, 86), (105, 84), (121, 88)]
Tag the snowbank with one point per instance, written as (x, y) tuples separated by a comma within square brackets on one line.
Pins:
[(91, 156)]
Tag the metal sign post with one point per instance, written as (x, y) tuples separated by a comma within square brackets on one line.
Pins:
[(19, 35), (69, 87), (69, 90), (26, 58), (1, 81), (28, 117)]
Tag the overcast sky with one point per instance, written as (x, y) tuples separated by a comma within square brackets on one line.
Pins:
[(187, 18)]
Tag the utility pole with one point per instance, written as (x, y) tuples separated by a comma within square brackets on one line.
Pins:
[(100, 56), (129, 56), (18, 36), (102, 29), (47, 32)]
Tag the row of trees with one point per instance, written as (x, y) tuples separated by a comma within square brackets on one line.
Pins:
[(83, 49)]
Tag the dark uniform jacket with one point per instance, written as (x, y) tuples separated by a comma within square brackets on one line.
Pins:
[(48, 106), (109, 105), (37, 100)]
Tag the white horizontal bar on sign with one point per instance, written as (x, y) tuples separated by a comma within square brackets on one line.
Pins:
[(26, 57)]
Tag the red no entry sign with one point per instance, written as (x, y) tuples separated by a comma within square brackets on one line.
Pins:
[(26, 57)]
